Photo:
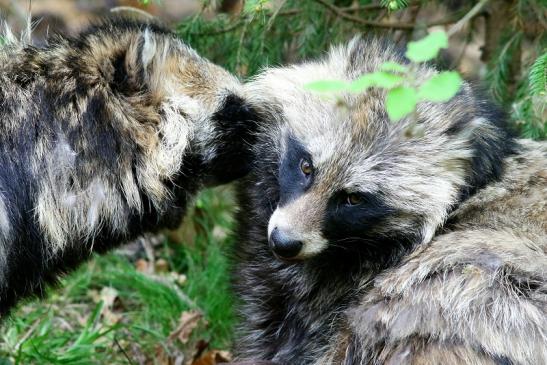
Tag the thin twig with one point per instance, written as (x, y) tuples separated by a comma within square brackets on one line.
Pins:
[(296, 11), (119, 9), (364, 7), (371, 23), (274, 15), (340, 12), (290, 12), (459, 59), (148, 250), (124, 353), (241, 39), (467, 17)]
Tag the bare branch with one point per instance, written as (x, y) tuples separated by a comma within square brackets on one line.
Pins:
[(470, 15), (377, 24)]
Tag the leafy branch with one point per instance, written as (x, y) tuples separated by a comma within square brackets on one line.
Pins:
[(511, 36), (400, 81)]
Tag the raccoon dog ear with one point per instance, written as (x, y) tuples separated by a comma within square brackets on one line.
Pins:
[(133, 67)]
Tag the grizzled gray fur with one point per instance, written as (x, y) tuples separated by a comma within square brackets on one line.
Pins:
[(102, 137), (364, 241)]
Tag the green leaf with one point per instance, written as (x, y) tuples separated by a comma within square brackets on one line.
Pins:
[(427, 48), (200, 204), (400, 102), (384, 80), (393, 5), (362, 83), (441, 87), (327, 86), (391, 66)]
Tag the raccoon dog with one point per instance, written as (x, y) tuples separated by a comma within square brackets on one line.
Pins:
[(103, 137), (362, 243)]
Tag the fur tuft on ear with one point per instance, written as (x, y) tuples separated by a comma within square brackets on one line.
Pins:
[(136, 65), (148, 48), (133, 65)]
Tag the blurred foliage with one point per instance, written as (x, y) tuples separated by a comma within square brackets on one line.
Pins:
[(275, 32)]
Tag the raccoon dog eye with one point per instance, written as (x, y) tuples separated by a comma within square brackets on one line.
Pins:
[(306, 167), (354, 199)]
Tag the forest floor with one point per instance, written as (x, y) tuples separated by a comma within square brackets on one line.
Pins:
[(157, 301)]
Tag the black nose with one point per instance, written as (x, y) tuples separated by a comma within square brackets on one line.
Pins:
[(283, 246)]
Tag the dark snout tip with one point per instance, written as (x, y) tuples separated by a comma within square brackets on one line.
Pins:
[(283, 246)]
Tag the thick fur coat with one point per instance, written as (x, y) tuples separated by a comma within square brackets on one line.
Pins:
[(477, 294), (363, 241), (103, 137)]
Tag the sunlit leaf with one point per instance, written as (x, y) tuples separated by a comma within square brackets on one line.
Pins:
[(427, 48), (381, 79), (400, 102), (391, 66), (441, 87), (362, 83), (393, 5), (327, 86), (386, 80)]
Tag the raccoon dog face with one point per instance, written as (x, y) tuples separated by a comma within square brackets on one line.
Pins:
[(339, 176)]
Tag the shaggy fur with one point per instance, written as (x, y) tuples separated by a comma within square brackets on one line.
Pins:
[(416, 246), (103, 137), (476, 294)]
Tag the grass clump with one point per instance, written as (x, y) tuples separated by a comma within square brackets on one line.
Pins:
[(114, 311)]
